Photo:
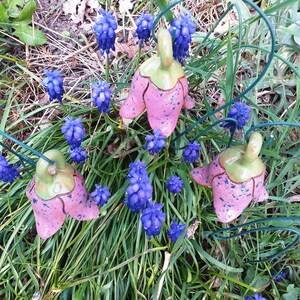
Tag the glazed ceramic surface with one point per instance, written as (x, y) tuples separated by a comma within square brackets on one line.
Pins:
[(232, 192), (57, 190), (160, 86)]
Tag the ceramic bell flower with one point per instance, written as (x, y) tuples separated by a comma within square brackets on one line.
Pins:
[(161, 87), (57, 191), (236, 177)]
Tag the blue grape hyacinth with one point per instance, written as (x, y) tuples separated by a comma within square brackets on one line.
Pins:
[(144, 26), (176, 229), (54, 85), (152, 218), (256, 297), (100, 194), (174, 184), (8, 172), (139, 192), (104, 28), (279, 277), (73, 131), (101, 95), (77, 154), (182, 29), (191, 153), (156, 142), (241, 112)]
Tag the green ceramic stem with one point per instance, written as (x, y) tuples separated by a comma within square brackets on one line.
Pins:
[(165, 49), (253, 149)]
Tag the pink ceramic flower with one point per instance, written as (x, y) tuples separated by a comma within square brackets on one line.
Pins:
[(236, 177), (59, 192), (161, 87)]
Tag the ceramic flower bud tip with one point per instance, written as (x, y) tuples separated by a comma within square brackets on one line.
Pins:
[(161, 87), (56, 191), (236, 177)]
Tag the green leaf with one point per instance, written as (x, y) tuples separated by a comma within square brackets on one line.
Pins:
[(292, 293), (162, 4), (27, 11), (3, 17), (13, 7), (30, 36)]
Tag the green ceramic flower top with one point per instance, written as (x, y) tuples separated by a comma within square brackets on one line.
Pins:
[(53, 180), (163, 70), (242, 162)]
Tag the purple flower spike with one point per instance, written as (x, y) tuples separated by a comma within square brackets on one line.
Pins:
[(104, 28), (101, 194), (77, 154), (74, 131), (54, 85), (101, 95), (256, 297), (139, 192), (144, 26), (155, 142), (8, 172), (191, 153), (152, 218), (176, 229), (174, 184), (241, 112), (183, 28)]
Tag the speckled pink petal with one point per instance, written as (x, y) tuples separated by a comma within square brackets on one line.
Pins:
[(204, 175), (134, 104), (188, 101), (79, 204), (230, 199), (163, 107), (260, 192), (49, 215)]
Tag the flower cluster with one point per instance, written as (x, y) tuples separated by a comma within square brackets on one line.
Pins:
[(8, 172), (156, 142), (152, 218), (101, 95), (256, 297), (279, 277), (54, 85), (176, 229), (74, 133), (139, 192), (100, 194), (241, 112), (181, 31), (144, 26), (191, 153), (104, 28), (174, 184)]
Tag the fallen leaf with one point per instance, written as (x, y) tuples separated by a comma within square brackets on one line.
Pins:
[(125, 5)]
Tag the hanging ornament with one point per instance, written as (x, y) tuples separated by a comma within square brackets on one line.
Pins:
[(161, 87), (57, 190)]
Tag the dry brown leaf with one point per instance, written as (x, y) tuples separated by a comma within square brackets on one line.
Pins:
[(129, 48), (77, 8)]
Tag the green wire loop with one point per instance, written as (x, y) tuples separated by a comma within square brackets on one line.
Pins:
[(38, 154), (250, 87), (269, 124), (272, 228)]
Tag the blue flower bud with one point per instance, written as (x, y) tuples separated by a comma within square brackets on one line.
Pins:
[(176, 229), (174, 184), (144, 26), (101, 194), (54, 85), (104, 29), (191, 153), (101, 95), (74, 131), (77, 154), (8, 172), (155, 142), (152, 218)]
